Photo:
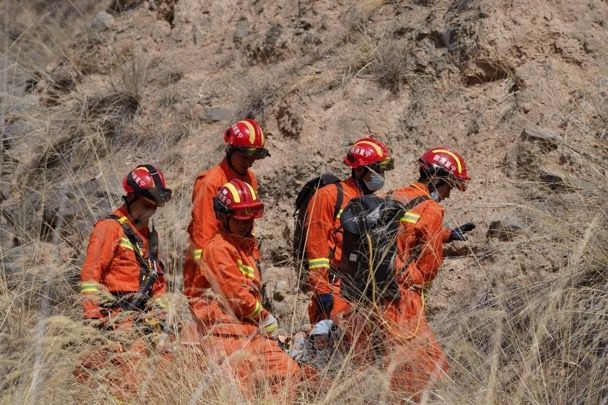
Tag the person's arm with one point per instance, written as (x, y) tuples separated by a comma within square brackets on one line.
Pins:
[(445, 234), (100, 252), (233, 281), (320, 224), (428, 249)]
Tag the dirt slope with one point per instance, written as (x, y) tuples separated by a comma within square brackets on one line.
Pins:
[(519, 88)]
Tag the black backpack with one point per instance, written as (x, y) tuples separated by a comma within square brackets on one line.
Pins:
[(369, 244), (300, 233)]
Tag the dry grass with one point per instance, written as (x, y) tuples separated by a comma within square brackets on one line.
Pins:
[(535, 337)]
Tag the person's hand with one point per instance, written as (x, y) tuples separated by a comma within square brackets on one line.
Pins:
[(107, 300), (458, 233), (269, 326), (325, 303)]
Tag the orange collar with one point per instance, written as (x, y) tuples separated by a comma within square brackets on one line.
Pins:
[(420, 187)]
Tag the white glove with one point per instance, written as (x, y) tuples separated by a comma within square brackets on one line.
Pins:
[(269, 326)]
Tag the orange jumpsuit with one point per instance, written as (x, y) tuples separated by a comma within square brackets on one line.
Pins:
[(322, 241), (229, 313), (412, 352), (203, 225), (111, 267)]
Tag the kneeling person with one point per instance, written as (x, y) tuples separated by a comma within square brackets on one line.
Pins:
[(123, 285), (122, 270), (230, 313)]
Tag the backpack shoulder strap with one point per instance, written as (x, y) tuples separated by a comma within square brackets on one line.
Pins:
[(146, 272), (339, 200), (128, 231), (415, 201), (407, 215)]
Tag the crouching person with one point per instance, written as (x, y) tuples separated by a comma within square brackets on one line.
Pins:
[(238, 333), (122, 271), (122, 279)]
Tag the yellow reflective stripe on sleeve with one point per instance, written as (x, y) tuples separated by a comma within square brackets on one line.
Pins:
[(318, 263), (89, 287), (410, 217), (125, 243), (196, 254), (256, 310), (247, 271), (339, 213), (123, 220)]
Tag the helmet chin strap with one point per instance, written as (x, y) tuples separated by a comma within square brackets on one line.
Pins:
[(224, 222), (137, 221), (128, 201), (432, 185), (229, 153)]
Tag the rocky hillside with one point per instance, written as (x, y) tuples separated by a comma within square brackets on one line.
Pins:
[(520, 88)]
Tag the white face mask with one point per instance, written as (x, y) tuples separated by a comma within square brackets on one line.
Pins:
[(435, 196), (375, 181)]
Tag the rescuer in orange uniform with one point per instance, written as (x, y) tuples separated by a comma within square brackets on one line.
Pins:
[(122, 270), (244, 145), (229, 314), (411, 350), (368, 159), (122, 282)]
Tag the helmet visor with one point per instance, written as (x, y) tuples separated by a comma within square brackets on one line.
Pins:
[(159, 196), (383, 166), (246, 213), (254, 153), (455, 182)]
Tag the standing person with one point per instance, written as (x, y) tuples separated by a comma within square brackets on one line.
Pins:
[(228, 306), (122, 270), (409, 348), (368, 159), (244, 145)]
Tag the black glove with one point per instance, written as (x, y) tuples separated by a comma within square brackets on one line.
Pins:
[(458, 233), (325, 303)]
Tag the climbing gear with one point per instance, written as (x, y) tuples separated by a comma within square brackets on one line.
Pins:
[(148, 182), (246, 137), (150, 267), (369, 152), (445, 163), (300, 231), (238, 200)]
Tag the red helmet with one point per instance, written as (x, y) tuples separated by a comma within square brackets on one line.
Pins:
[(239, 200), (443, 161), (148, 182), (247, 137), (369, 152)]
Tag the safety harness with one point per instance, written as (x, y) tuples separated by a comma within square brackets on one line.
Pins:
[(149, 268)]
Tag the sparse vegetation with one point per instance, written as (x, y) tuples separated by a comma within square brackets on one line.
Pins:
[(520, 309)]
